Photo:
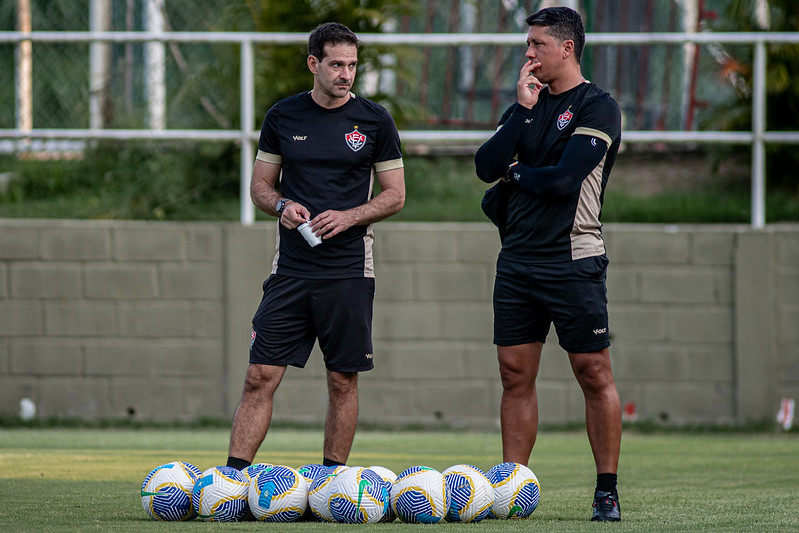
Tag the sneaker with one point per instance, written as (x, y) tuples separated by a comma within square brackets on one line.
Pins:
[(606, 507)]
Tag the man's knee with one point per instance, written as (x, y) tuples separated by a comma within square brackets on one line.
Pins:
[(593, 371), (342, 384), (262, 379), (513, 377), (518, 366)]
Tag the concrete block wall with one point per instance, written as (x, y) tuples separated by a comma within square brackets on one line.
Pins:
[(670, 293), (111, 320), (151, 321)]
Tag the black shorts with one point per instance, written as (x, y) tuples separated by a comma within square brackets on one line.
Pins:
[(295, 312), (528, 298)]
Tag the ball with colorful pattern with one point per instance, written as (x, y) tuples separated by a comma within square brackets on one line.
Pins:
[(359, 496), (516, 490), (220, 495), (420, 496), (471, 493), (166, 491), (278, 494), (319, 493)]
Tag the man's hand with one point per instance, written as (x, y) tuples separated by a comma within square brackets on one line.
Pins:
[(528, 87), (294, 214), (331, 223)]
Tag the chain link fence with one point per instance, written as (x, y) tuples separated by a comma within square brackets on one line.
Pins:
[(665, 86)]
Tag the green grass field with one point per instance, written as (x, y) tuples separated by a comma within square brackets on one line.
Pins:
[(89, 479)]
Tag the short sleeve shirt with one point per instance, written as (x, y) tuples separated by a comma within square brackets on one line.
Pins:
[(327, 158)]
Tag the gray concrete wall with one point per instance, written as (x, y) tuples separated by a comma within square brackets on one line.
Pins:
[(151, 321)]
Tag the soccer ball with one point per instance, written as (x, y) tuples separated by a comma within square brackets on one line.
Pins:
[(311, 471), (471, 492), (319, 493), (278, 494), (220, 495), (358, 496), (166, 491), (389, 477), (516, 490), (253, 470), (420, 495), (384, 473)]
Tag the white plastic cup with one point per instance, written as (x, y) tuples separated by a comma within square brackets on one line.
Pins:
[(310, 237)]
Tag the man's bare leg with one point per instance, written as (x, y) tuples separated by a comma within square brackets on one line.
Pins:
[(342, 415), (254, 413), (602, 407), (518, 370)]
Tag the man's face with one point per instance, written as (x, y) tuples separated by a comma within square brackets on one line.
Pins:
[(335, 73), (545, 52)]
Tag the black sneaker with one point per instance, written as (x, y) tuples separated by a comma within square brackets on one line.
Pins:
[(606, 507)]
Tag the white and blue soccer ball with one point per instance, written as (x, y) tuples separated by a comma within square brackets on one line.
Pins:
[(278, 494), (220, 495), (311, 471), (319, 493), (166, 491), (516, 490), (385, 473), (471, 493), (420, 496), (389, 477), (358, 496), (253, 470)]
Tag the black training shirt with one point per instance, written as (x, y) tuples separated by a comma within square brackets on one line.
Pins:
[(565, 146), (327, 157)]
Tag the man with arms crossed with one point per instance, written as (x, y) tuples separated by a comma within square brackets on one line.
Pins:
[(326, 142), (555, 146)]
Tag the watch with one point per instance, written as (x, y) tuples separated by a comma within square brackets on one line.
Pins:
[(281, 205)]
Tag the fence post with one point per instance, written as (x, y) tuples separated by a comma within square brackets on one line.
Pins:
[(99, 62), (24, 69), (758, 130), (247, 90), (155, 52)]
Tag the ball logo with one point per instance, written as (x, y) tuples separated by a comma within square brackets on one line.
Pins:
[(355, 139), (564, 118)]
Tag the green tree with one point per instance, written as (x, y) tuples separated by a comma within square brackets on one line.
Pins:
[(782, 91), (281, 71)]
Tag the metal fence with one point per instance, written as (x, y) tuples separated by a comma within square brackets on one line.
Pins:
[(245, 134)]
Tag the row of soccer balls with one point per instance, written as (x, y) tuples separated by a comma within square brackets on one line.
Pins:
[(344, 494)]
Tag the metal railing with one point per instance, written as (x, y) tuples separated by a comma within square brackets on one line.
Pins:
[(757, 138)]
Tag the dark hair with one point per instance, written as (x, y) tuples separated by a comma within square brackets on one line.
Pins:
[(563, 24), (329, 33)]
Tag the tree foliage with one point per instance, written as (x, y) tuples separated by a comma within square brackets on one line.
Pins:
[(782, 91), (281, 71)]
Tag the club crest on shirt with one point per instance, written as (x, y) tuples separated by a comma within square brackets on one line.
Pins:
[(564, 118), (355, 139)]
